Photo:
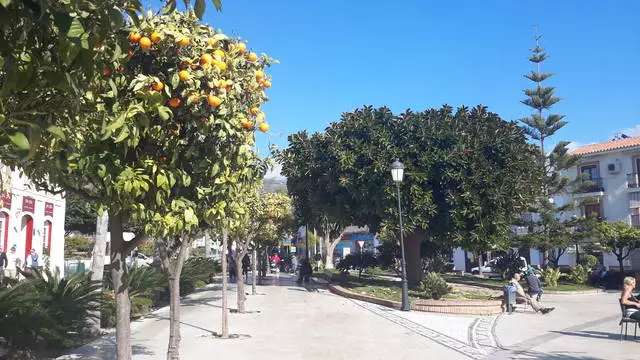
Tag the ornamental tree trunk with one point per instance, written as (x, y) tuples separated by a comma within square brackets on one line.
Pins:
[(97, 263), (412, 244), (225, 282), (120, 285), (254, 257), (240, 283), (330, 246), (480, 264), (173, 270)]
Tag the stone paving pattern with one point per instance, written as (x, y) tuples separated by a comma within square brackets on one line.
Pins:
[(294, 322)]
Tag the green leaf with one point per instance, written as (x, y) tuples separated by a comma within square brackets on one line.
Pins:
[(164, 112), (169, 6), (20, 140), (199, 8), (75, 29), (124, 133), (161, 181), (57, 131), (217, 4), (5, 3), (116, 18)]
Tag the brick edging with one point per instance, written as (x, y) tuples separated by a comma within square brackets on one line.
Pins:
[(467, 307), (549, 292)]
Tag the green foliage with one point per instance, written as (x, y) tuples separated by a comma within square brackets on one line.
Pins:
[(196, 272), (432, 286), (618, 237), (147, 248), (579, 274), (143, 282), (588, 260), (551, 276), (78, 247), (509, 264), (79, 215)]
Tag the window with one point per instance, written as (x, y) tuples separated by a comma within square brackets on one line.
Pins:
[(591, 171), (46, 236), (592, 211)]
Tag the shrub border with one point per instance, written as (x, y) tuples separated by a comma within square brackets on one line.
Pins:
[(550, 292)]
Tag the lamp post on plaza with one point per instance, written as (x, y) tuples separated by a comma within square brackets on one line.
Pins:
[(397, 172)]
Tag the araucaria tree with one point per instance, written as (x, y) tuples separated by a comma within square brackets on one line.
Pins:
[(466, 171), (162, 135), (552, 232)]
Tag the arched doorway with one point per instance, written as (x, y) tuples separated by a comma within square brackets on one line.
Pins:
[(46, 237), (27, 231), (4, 230)]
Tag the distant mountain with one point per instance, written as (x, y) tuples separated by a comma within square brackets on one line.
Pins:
[(275, 184)]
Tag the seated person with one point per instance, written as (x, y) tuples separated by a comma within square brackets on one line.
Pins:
[(515, 281), (533, 284), (630, 303)]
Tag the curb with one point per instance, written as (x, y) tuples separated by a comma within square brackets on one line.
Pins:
[(460, 307)]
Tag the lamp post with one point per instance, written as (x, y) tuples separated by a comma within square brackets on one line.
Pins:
[(397, 171)]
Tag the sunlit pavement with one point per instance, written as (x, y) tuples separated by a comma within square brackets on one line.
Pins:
[(288, 321)]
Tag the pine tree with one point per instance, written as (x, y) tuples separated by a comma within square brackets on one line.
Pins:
[(548, 231)]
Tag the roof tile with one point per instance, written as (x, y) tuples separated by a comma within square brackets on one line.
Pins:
[(607, 146)]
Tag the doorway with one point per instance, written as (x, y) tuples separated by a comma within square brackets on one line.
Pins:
[(27, 228)]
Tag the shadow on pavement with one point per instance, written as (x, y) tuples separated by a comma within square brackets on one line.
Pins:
[(529, 355), (103, 349), (593, 334)]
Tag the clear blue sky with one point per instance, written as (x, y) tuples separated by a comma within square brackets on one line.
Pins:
[(337, 55)]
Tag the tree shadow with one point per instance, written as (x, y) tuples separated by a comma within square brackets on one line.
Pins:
[(593, 334), (104, 349), (530, 355)]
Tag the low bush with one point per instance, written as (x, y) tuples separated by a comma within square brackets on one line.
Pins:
[(197, 271), (551, 276), (77, 246), (579, 274), (433, 286)]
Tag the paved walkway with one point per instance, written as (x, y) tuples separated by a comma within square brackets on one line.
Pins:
[(291, 322)]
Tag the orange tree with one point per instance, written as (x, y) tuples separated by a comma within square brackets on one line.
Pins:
[(264, 218), (174, 98), (46, 60)]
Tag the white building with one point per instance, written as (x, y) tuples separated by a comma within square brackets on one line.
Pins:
[(31, 219), (612, 172)]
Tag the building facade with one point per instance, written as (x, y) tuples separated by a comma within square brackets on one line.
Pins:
[(31, 219)]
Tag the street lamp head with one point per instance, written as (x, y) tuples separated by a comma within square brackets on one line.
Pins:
[(397, 171)]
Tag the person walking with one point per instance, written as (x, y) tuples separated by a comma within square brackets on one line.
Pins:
[(13, 263), (305, 271), (3, 264)]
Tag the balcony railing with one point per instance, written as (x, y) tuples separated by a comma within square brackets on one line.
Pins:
[(633, 180), (591, 185), (635, 221)]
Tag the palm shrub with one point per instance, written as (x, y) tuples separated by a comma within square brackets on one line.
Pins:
[(551, 276), (432, 286), (196, 272), (70, 302), (579, 274), (143, 282)]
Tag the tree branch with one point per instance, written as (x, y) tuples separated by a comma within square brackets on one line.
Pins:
[(133, 243)]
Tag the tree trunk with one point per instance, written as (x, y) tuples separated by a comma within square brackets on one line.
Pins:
[(121, 286), (254, 258), (577, 255), (480, 264), (240, 284), (330, 247), (97, 263), (621, 263), (207, 245), (173, 272), (225, 281), (412, 244)]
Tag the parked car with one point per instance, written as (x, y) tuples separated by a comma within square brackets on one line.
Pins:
[(489, 267)]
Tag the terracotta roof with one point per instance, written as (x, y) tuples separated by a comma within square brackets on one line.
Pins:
[(607, 146)]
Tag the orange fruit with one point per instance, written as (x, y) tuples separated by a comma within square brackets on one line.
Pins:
[(134, 37), (214, 100), (183, 42), (254, 111), (228, 88), (174, 102), (164, 159), (219, 53), (222, 66), (242, 47), (155, 37), (222, 83), (266, 84), (130, 55), (259, 74), (119, 69), (194, 97), (106, 71), (247, 124), (157, 86), (211, 42), (206, 59), (253, 57), (194, 66), (145, 42), (184, 75), (264, 127)]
